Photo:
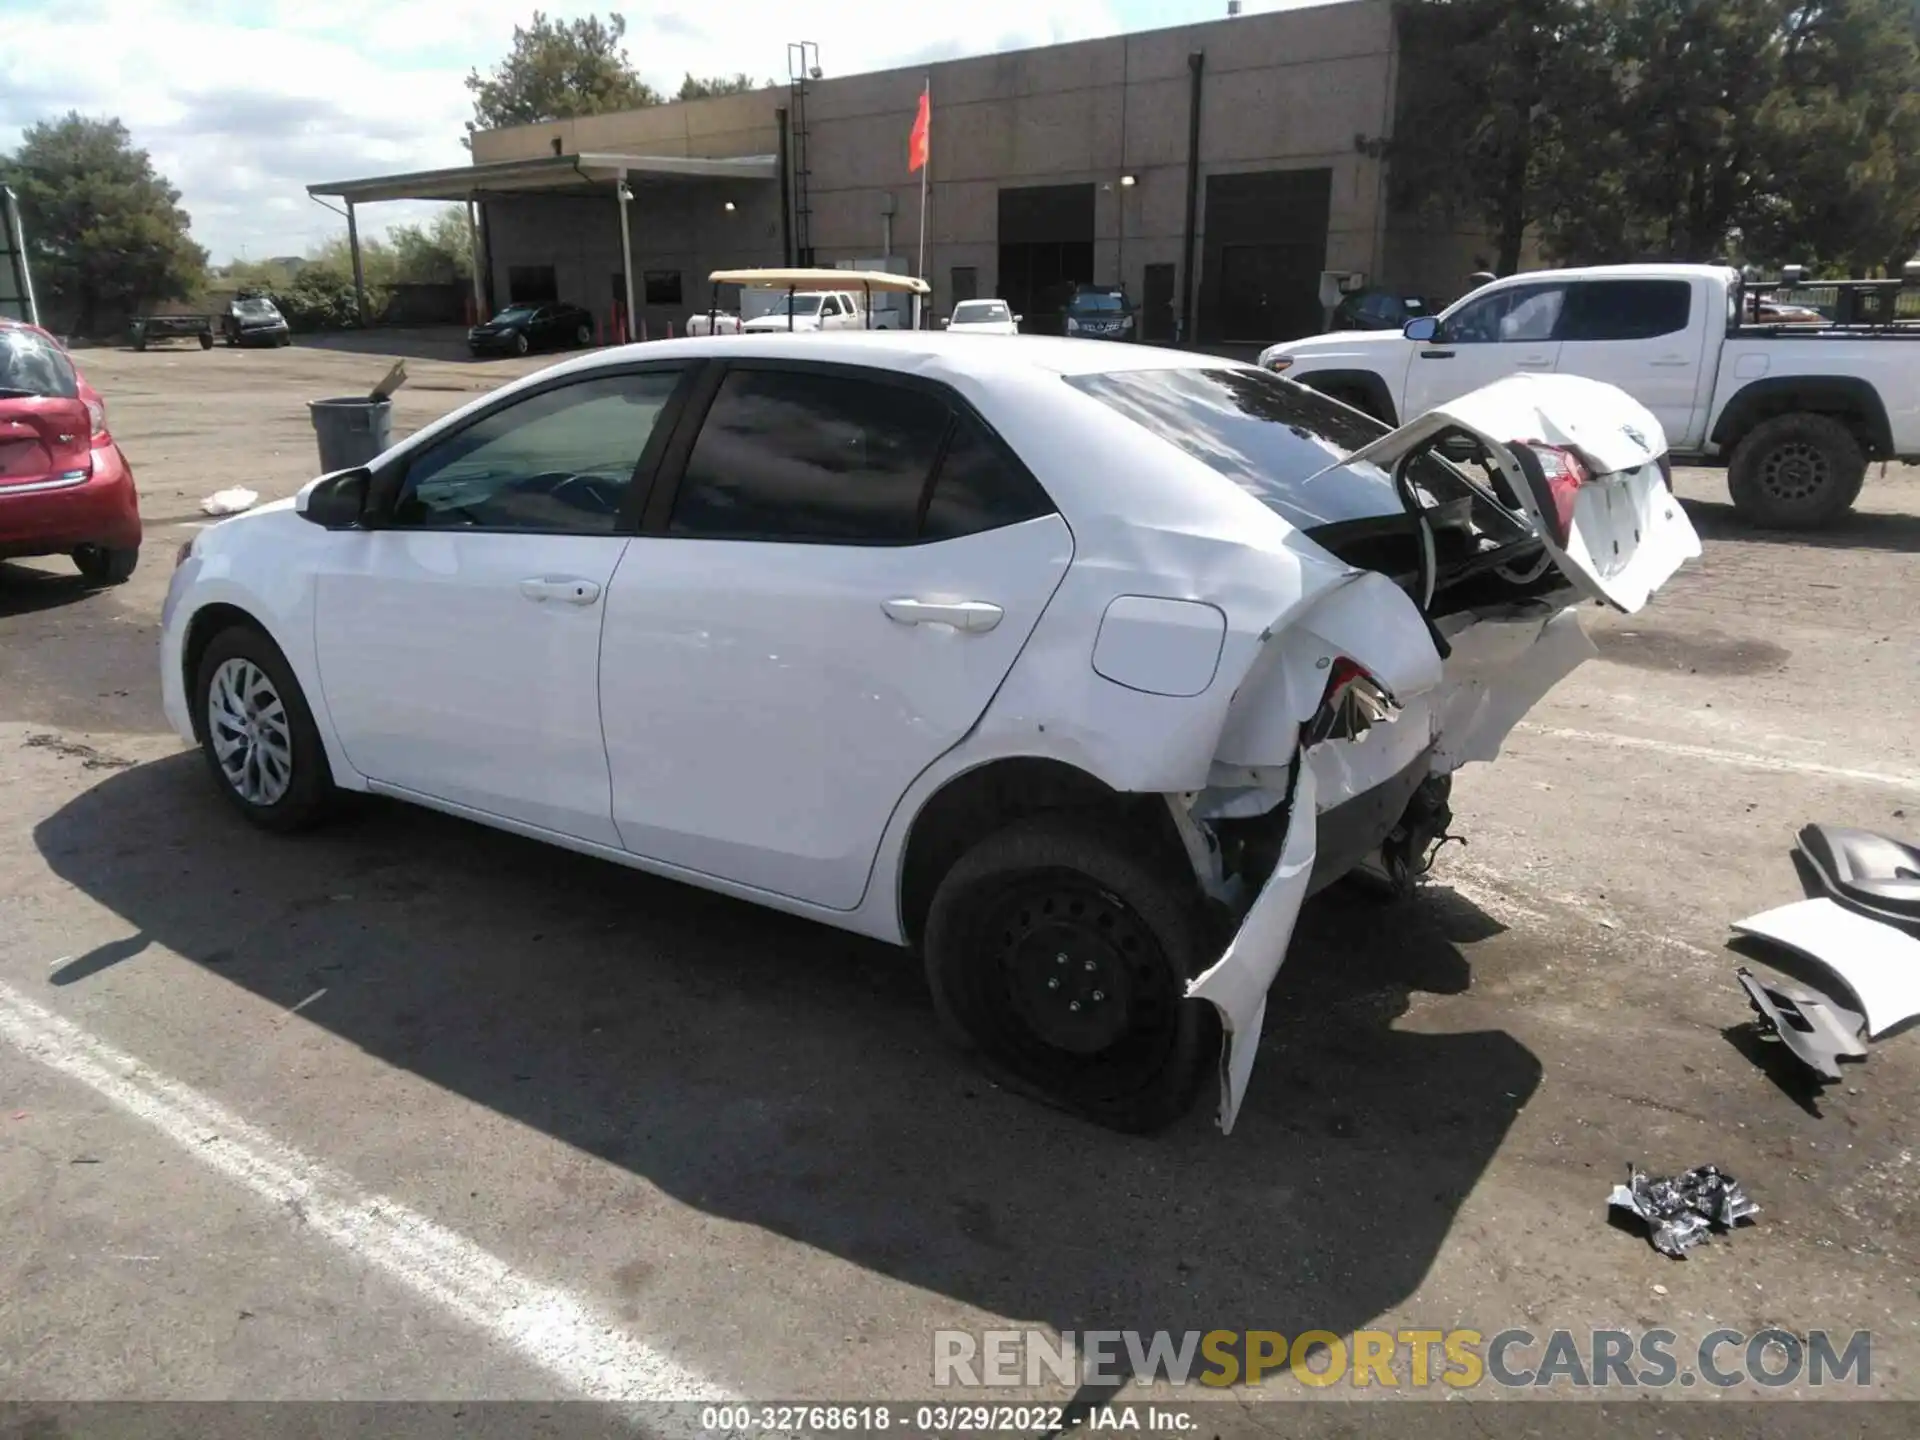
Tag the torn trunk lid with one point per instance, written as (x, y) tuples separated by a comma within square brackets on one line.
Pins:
[(1582, 460)]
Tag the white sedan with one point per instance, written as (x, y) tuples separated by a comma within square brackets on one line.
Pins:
[(1075, 668), (983, 317)]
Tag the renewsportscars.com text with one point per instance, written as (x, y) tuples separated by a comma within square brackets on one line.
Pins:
[(1458, 1359)]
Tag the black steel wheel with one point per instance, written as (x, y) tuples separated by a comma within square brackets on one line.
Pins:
[(1061, 958), (1796, 472)]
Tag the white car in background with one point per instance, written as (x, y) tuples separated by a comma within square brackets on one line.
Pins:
[(983, 317), (1074, 667), (829, 310)]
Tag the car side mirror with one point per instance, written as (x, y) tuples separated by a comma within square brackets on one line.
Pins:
[(1425, 330), (944, 322), (1018, 318), (337, 502)]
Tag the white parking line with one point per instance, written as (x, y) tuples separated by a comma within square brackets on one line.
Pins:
[(1715, 756), (542, 1323)]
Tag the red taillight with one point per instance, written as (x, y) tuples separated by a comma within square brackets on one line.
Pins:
[(1565, 473), (97, 416), (1351, 703)]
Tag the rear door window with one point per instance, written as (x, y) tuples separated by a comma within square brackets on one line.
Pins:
[(1626, 309), (813, 455)]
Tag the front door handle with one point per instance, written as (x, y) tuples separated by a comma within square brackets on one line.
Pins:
[(566, 589), (1535, 362), (1671, 361), (976, 616), (1436, 354)]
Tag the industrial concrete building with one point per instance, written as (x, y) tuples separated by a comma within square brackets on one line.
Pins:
[(1217, 171)]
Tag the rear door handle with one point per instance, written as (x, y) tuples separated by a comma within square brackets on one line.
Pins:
[(976, 616), (1535, 362), (565, 589), (1673, 361)]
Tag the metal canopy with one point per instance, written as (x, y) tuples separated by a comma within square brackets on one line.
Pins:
[(548, 173)]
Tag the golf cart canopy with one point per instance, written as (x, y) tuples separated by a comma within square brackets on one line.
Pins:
[(811, 280)]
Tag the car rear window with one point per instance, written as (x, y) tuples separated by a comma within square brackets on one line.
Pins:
[(1274, 439), (31, 365)]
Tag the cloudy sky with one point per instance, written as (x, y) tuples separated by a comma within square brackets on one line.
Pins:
[(243, 103)]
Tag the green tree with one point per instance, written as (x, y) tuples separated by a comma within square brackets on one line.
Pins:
[(1840, 142), (693, 88), (1496, 96), (437, 253), (105, 230), (558, 69)]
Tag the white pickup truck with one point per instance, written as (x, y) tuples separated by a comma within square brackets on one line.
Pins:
[(1795, 412)]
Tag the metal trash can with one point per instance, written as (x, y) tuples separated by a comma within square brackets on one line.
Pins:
[(351, 430)]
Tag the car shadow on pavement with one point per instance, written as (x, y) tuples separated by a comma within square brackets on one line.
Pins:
[(1858, 530), (24, 590), (788, 1076)]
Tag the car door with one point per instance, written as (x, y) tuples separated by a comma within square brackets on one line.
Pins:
[(821, 605), (1646, 336), (459, 639), (1493, 334)]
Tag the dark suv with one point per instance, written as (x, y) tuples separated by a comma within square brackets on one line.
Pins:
[(1092, 312)]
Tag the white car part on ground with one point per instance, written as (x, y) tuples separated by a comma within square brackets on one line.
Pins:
[(1879, 964), (230, 502)]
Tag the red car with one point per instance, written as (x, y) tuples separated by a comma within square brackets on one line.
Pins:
[(65, 488)]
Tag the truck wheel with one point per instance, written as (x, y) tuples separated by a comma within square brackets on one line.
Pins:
[(1796, 472), (206, 339), (1061, 957)]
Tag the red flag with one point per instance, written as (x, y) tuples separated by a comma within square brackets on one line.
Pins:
[(917, 141)]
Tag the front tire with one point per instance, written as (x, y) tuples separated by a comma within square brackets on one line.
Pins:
[(1060, 958), (521, 345), (104, 566), (583, 337), (1796, 472), (206, 340), (257, 733)]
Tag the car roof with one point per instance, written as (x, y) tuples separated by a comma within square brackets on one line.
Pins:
[(1669, 271), (916, 351)]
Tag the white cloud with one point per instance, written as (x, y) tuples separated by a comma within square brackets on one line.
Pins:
[(243, 103)]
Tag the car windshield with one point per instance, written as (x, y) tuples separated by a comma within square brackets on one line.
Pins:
[(801, 304), (31, 365), (513, 313), (256, 310), (1280, 442), (977, 312), (1098, 300)]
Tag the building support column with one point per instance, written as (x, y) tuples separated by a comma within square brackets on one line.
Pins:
[(479, 259), (626, 253), (359, 275)]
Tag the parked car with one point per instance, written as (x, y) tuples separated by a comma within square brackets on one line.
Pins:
[(1039, 658), (65, 488), (815, 311), (983, 317), (1093, 312), (1376, 308), (1794, 417), (519, 329), (254, 320)]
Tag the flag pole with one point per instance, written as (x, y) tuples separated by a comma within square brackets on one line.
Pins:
[(920, 262)]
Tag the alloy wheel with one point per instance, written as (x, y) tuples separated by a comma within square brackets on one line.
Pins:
[(252, 738)]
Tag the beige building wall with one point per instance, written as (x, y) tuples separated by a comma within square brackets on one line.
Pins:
[(1302, 89)]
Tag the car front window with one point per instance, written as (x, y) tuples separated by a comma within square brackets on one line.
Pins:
[(1522, 313), (1099, 300), (560, 460)]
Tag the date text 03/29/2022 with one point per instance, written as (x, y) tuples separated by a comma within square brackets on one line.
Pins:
[(938, 1419)]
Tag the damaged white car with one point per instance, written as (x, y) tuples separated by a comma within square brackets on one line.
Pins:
[(1074, 667)]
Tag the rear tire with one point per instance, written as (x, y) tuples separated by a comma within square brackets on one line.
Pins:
[(1796, 472), (583, 337), (104, 566), (1060, 957), (257, 733), (206, 340)]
